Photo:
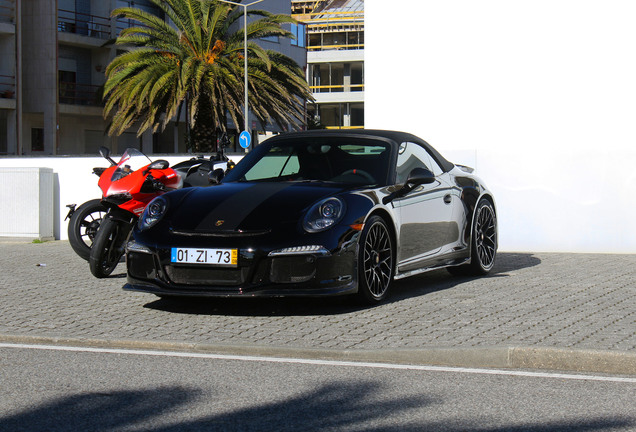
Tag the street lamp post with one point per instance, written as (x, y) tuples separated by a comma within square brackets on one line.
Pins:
[(245, 6)]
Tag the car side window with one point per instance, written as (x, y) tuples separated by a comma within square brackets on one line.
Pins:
[(412, 155)]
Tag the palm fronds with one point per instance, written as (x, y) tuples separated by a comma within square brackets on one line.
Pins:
[(196, 60)]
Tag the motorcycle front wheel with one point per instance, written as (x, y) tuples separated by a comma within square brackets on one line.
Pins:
[(108, 247), (83, 225)]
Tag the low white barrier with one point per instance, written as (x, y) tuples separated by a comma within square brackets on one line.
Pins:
[(73, 183), (27, 197)]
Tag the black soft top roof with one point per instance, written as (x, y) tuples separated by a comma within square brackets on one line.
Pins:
[(396, 136)]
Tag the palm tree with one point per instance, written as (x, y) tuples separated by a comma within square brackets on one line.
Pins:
[(197, 61)]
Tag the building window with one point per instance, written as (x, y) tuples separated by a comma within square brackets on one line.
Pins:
[(298, 30), (37, 139), (270, 39)]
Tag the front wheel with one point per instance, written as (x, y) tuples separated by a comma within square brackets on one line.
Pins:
[(83, 225), (375, 261), (108, 247)]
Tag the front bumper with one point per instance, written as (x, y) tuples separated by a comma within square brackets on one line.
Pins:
[(260, 272)]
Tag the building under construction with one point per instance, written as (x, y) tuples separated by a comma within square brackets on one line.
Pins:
[(335, 59)]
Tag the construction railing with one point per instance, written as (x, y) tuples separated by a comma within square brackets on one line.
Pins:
[(80, 94), (323, 27), (83, 24), (337, 88), (321, 47)]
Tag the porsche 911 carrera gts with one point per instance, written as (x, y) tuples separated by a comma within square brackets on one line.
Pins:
[(317, 213)]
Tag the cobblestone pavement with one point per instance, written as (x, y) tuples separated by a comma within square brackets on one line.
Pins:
[(580, 301)]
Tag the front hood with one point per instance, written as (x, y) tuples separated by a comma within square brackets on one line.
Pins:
[(245, 206)]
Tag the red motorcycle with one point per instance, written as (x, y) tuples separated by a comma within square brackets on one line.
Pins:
[(84, 221), (127, 188)]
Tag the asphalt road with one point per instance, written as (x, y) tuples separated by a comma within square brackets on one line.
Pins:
[(104, 391)]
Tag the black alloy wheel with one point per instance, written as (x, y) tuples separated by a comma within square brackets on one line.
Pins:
[(483, 244), (83, 226), (375, 261), (484, 247)]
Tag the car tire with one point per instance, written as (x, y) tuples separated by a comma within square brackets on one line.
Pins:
[(483, 244), (83, 226), (108, 247), (375, 261)]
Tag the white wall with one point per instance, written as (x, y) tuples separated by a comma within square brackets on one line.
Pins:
[(538, 95), (74, 182), (27, 197)]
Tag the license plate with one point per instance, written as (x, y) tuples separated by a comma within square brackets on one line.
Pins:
[(221, 257)]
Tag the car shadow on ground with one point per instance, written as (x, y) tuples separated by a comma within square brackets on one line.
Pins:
[(423, 284)]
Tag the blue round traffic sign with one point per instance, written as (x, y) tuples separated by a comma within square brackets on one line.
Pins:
[(245, 139)]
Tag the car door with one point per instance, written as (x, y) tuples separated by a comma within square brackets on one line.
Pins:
[(425, 212)]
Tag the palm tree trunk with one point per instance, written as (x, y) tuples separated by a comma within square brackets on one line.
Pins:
[(203, 133)]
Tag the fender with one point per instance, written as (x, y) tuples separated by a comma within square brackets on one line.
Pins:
[(116, 213)]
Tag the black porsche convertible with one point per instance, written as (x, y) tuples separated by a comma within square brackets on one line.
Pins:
[(317, 213)]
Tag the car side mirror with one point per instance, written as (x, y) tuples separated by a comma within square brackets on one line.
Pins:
[(418, 176), (216, 176)]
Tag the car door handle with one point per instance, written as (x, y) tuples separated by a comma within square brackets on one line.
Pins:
[(448, 199)]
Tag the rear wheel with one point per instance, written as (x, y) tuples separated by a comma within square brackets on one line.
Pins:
[(108, 247), (375, 261), (483, 245), (83, 225)]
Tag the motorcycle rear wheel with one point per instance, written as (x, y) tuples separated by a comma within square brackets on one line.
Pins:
[(108, 247), (83, 226)]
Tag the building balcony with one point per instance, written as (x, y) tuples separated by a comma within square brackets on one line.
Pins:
[(324, 47), (83, 24), (339, 97), (7, 87), (337, 88), (7, 92), (80, 94), (335, 43)]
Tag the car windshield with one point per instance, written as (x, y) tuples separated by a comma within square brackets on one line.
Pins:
[(324, 159)]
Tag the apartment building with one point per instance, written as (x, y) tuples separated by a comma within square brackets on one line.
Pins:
[(53, 57), (7, 74), (335, 59)]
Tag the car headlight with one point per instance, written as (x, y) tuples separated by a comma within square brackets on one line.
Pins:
[(153, 213), (324, 214)]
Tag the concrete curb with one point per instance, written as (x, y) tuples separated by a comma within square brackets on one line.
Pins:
[(541, 358)]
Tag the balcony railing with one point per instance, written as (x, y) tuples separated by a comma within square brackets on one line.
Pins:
[(7, 86), (7, 10), (83, 24), (321, 47), (336, 88), (80, 94)]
